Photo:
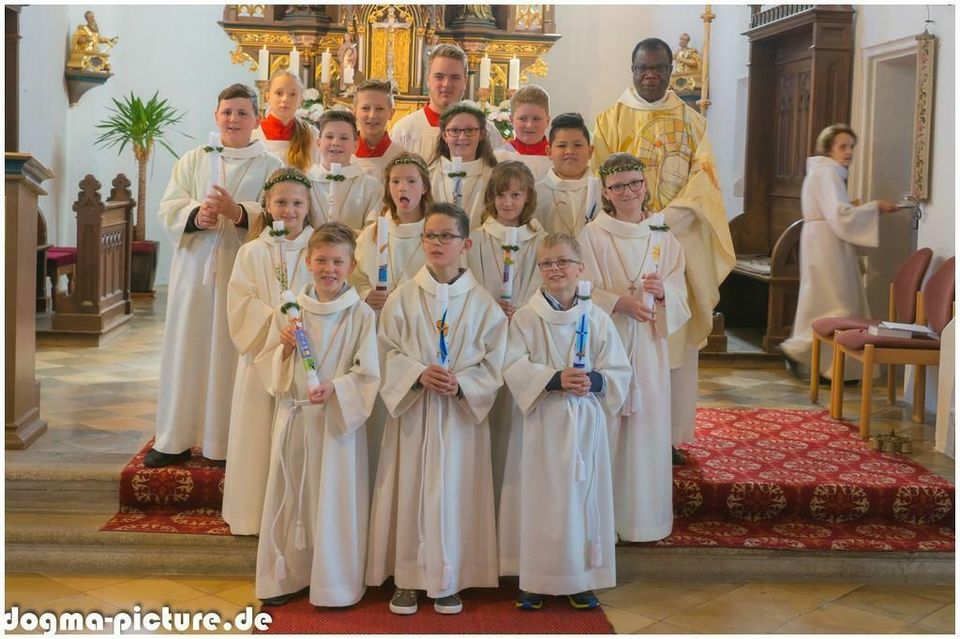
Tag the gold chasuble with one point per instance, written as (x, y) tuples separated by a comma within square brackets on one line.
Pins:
[(670, 139)]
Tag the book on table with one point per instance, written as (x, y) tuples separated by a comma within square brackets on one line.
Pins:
[(898, 329)]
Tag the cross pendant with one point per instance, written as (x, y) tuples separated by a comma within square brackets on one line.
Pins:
[(632, 289)]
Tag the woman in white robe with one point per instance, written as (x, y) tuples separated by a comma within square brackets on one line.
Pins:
[(253, 298), (198, 360), (432, 519), (561, 538), (624, 251), (314, 529), (831, 284)]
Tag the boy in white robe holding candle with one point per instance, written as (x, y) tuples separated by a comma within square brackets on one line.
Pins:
[(206, 216), (636, 267), (373, 107), (568, 385), (341, 191), (568, 197), (463, 160), (260, 275), (442, 338), (314, 528)]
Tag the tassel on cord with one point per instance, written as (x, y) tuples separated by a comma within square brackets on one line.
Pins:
[(280, 568), (595, 554), (447, 578), (300, 538), (581, 468)]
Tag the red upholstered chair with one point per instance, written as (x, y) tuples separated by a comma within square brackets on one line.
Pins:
[(61, 260), (934, 309), (902, 308)]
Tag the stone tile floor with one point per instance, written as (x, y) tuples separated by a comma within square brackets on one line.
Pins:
[(100, 405)]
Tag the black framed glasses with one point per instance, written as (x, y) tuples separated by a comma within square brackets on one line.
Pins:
[(443, 238), (642, 69), (618, 189), (454, 132)]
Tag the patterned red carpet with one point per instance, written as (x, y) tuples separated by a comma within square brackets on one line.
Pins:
[(755, 478), (485, 611)]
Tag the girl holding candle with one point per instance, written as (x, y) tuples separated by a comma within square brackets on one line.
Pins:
[(463, 161), (562, 457), (207, 225), (637, 270), (314, 529), (289, 137), (341, 191), (432, 519), (271, 262)]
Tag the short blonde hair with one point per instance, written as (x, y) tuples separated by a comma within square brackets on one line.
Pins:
[(332, 233), (829, 134), (447, 50), (530, 94), (380, 86), (556, 239)]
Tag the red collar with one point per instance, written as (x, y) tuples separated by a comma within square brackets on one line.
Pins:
[(364, 151), (540, 148), (432, 116), (274, 129)]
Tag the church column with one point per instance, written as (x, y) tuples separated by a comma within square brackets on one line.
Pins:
[(22, 393)]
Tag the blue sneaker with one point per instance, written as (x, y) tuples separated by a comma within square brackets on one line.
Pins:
[(529, 601), (584, 600)]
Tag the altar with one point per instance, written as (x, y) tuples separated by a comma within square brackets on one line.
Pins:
[(335, 47)]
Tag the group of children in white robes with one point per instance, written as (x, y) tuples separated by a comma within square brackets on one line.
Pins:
[(410, 397)]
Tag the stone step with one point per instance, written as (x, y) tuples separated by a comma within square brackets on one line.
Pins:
[(63, 490)]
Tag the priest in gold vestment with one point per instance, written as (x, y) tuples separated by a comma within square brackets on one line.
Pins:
[(670, 139)]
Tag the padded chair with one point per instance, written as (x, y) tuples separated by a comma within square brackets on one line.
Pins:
[(934, 309), (902, 308), (61, 260)]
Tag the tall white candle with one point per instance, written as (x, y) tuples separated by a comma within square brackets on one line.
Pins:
[(485, 72), (383, 240), (443, 301), (506, 285), (593, 198), (513, 82), (214, 158), (335, 169), (263, 64), (348, 75), (325, 67), (295, 62), (580, 350)]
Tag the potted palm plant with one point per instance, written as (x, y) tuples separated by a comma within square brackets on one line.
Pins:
[(140, 124)]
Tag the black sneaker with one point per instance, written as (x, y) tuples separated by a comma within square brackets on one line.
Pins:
[(678, 458), (403, 602), (449, 605), (585, 600), (529, 601), (156, 459), (279, 600)]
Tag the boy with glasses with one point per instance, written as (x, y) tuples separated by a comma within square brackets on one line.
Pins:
[(442, 341)]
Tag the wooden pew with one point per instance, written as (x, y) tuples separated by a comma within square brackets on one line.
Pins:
[(100, 299), (762, 289)]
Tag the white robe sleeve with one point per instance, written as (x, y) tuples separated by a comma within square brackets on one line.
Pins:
[(526, 380), (356, 390), (275, 370), (611, 361), (248, 315), (855, 224), (366, 255), (400, 371), (479, 371), (180, 199), (592, 271)]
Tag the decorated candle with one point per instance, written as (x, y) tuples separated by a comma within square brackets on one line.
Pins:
[(443, 302), (580, 348), (278, 233), (510, 249), (291, 309), (336, 171), (213, 157), (593, 198), (383, 238), (457, 163)]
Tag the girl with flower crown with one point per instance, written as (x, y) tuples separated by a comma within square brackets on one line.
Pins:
[(463, 161), (267, 264), (637, 266)]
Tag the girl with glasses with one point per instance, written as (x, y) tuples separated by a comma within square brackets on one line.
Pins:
[(637, 270)]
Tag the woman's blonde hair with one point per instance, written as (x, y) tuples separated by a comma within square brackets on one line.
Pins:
[(504, 174), (299, 154), (828, 135), (406, 159), (615, 164), (265, 220)]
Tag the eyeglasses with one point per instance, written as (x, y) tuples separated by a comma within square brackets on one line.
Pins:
[(642, 69), (455, 132), (618, 189), (443, 238), (563, 264)]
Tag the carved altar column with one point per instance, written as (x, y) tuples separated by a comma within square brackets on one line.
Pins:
[(22, 393)]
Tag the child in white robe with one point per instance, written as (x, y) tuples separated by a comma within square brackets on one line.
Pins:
[(563, 456), (284, 133), (407, 196), (342, 194), (568, 197), (253, 297), (432, 519), (314, 528), (207, 224), (373, 108), (463, 136), (509, 203), (529, 116), (636, 266)]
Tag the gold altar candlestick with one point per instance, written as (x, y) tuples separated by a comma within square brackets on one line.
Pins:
[(704, 102)]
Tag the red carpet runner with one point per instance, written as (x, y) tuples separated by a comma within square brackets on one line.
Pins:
[(485, 611), (755, 478)]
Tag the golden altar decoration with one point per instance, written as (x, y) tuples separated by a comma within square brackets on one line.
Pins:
[(392, 42)]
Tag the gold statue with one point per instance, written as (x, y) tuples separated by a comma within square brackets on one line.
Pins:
[(686, 67), (89, 49)]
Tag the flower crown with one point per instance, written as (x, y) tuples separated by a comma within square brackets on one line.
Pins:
[(610, 170), (407, 159), (287, 177), (463, 107)]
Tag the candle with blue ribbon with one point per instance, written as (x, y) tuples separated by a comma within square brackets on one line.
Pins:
[(291, 309), (383, 239), (580, 343)]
